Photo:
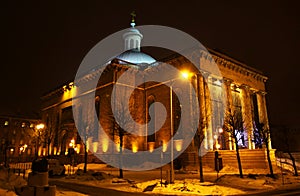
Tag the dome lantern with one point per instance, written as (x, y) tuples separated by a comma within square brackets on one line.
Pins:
[(132, 38)]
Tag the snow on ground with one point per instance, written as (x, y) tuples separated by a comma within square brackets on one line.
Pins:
[(68, 193), (4, 192), (180, 187), (92, 166), (227, 184), (8, 180), (100, 175), (188, 186)]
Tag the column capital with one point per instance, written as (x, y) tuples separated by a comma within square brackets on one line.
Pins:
[(253, 91), (244, 86), (262, 92), (205, 74), (227, 81), (234, 87)]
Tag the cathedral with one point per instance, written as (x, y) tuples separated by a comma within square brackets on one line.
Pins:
[(137, 109)]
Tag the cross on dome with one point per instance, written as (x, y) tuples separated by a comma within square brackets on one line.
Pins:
[(133, 15)]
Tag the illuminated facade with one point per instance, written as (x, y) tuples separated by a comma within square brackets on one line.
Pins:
[(244, 91), (18, 138)]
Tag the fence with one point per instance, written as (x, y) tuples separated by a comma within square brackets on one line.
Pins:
[(20, 168), (283, 160)]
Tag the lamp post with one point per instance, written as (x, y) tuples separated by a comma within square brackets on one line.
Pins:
[(161, 158), (184, 75), (39, 128), (199, 135), (172, 139)]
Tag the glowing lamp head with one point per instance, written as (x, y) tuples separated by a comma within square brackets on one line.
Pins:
[(178, 145), (151, 146), (185, 75), (40, 126), (220, 130), (215, 137)]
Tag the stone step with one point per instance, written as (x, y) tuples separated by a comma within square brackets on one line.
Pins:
[(251, 159)]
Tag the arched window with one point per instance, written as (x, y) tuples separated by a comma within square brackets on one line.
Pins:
[(151, 119), (136, 43), (127, 44), (97, 106), (96, 121), (56, 138), (131, 44)]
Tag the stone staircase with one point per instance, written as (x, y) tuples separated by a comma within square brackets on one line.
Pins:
[(251, 159)]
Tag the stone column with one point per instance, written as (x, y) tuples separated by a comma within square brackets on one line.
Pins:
[(247, 115), (262, 111), (227, 82), (208, 112), (203, 121)]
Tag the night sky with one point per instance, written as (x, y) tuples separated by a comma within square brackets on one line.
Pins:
[(43, 43)]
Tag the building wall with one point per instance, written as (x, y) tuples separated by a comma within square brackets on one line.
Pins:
[(18, 138), (238, 80)]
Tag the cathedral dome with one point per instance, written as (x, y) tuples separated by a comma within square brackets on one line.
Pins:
[(134, 56)]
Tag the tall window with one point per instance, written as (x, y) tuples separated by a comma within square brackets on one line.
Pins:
[(67, 115), (151, 119), (131, 43), (254, 108), (96, 121), (97, 106), (237, 111), (257, 139), (136, 43), (217, 97), (56, 137)]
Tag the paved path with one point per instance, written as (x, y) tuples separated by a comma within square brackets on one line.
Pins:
[(92, 190), (280, 192)]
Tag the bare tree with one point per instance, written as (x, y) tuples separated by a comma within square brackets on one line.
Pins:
[(199, 137), (4, 148), (264, 133), (120, 119), (233, 124), (288, 134), (85, 137), (49, 135), (124, 123), (83, 130)]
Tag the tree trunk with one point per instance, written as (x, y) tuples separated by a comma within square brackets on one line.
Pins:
[(294, 163), (198, 140), (238, 158), (5, 156), (201, 166), (85, 158), (48, 149), (269, 160), (121, 152)]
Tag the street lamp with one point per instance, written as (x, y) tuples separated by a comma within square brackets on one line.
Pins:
[(190, 75), (39, 128), (184, 75), (172, 139)]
